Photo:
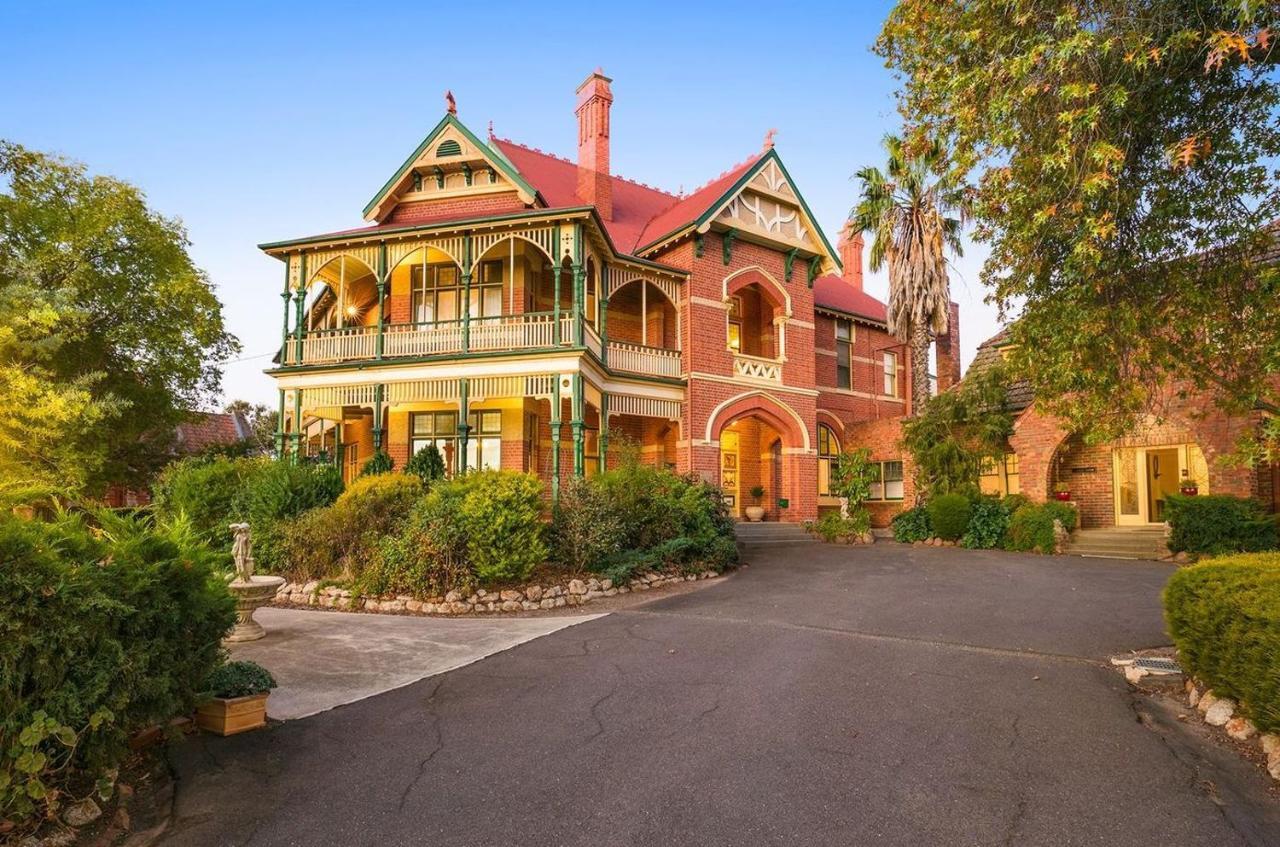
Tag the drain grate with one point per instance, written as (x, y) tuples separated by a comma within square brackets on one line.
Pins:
[(1157, 665)]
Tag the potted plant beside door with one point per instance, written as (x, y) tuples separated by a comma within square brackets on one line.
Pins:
[(1062, 491), (755, 513), (237, 698), (1189, 487)]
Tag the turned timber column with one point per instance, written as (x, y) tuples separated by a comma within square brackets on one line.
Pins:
[(556, 266), (377, 417), (576, 425), (299, 296), (296, 434), (382, 284), (579, 286), (464, 428), (280, 420), (466, 297), (555, 440), (284, 330), (604, 431)]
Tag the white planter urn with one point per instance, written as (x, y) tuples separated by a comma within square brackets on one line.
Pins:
[(755, 514)]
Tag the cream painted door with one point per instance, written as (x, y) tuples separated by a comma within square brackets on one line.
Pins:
[(729, 471), (1129, 485)]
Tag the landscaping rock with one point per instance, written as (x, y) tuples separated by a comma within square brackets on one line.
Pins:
[(577, 586), (1270, 743), (311, 587), (529, 605), (547, 603), (606, 584), (1193, 694), (534, 593), (510, 605), (1206, 700), (1133, 674), (413, 605), (508, 595), (82, 813), (554, 591), (1241, 729), (1220, 712), (1273, 764), (453, 597)]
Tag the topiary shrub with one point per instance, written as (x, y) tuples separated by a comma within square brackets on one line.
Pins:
[(278, 491), (912, 525), (338, 541), (110, 624), (1219, 523), (379, 463), (987, 525), (949, 515), (1224, 616), (427, 464), (239, 679)]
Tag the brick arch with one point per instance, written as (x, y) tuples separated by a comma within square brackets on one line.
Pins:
[(771, 288), (833, 420), (788, 424)]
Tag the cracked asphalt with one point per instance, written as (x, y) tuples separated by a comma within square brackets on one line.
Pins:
[(823, 695)]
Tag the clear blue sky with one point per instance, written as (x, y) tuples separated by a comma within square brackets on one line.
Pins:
[(255, 124)]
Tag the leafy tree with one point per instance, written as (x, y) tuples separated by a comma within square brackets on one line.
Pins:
[(853, 475), (951, 437), (1125, 157), (108, 331), (909, 209)]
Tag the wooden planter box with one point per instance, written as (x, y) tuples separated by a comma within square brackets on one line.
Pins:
[(228, 717)]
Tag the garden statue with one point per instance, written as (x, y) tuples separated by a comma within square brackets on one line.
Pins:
[(250, 591)]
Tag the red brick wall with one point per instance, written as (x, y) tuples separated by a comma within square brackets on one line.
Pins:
[(883, 437), (455, 207)]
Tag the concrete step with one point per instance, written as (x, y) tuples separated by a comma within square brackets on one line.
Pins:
[(768, 534)]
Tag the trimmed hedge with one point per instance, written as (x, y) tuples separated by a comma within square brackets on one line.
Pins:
[(1224, 616), (988, 524), (949, 514), (912, 525), (1218, 523), (1031, 526)]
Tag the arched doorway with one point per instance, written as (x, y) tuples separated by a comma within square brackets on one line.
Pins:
[(764, 444)]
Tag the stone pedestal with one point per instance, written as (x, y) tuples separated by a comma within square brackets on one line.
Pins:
[(256, 591)]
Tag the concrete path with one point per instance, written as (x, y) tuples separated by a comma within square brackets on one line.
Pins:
[(326, 659), (823, 696)]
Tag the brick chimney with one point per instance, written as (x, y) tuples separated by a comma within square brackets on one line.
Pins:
[(948, 349), (594, 102), (850, 248)]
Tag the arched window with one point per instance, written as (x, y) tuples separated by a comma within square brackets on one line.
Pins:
[(828, 450)]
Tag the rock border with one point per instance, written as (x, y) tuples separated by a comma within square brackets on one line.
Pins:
[(1221, 712), (527, 598)]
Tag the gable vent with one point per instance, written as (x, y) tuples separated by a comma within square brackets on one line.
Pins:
[(449, 148)]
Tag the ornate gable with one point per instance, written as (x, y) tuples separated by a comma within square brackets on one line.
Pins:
[(450, 163), (766, 207)]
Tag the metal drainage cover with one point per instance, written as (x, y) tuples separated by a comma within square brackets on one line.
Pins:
[(1157, 665)]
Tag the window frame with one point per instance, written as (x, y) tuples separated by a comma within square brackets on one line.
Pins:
[(844, 353), (891, 381), (827, 454), (881, 481)]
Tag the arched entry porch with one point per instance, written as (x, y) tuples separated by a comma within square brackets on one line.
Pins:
[(764, 443)]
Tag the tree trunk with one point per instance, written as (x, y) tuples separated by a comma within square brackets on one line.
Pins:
[(919, 368)]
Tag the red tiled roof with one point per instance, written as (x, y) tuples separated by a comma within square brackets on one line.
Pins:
[(690, 208), (833, 292), (556, 179), (210, 429)]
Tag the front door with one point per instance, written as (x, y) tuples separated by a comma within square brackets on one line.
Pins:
[(729, 471), (1163, 474), (1144, 477), (1129, 486)]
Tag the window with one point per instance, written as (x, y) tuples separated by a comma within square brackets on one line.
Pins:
[(591, 451), (887, 484), (436, 292), (735, 324), (999, 476), (531, 454), (890, 373), (591, 313), (484, 441), (438, 428), (486, 290), (844, 354), (1012, 479), (828, 450)]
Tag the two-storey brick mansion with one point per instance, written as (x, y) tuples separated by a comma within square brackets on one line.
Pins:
[(520, 310)]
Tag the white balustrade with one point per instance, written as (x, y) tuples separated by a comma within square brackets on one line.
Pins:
[(636, 358), (754, 367)]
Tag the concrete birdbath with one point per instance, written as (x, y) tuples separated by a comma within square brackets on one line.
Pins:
[(250, 591)]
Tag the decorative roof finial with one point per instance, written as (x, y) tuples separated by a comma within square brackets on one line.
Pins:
[(491, 129), (768, 139), (450, 104)]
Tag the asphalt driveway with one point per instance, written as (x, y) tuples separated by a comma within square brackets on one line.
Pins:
[(824, 695)]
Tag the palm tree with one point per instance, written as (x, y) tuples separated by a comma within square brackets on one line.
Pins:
[(915, 212)]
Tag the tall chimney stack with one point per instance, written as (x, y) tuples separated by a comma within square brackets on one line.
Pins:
[(850, 249), (594, 102)]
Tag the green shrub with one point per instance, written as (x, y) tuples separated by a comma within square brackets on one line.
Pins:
[(278, 491), (949, 515), (587, 528), (379, 463), (832, 527), (238, 679), (1224, 616), (912, 525), (987, 524), (208, 491), (110, 624), (1014, 502), (1218, 523), (427, 464), (337, 542), (1031, 526)]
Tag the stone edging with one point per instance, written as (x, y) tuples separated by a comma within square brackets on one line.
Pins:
[(1220, 711), (527, 598)]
